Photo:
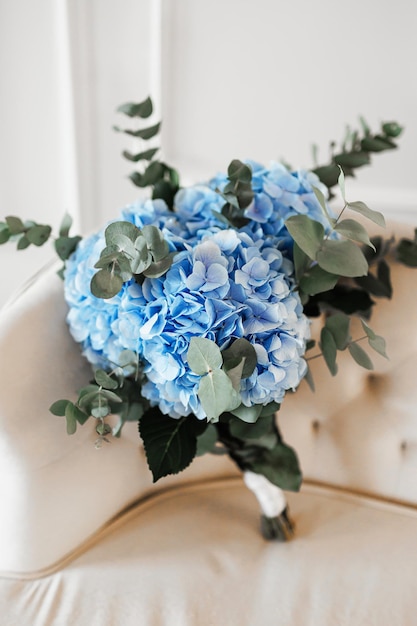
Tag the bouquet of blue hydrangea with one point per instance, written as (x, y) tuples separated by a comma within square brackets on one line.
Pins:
[(194, 306)]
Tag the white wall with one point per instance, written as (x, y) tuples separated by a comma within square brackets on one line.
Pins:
[(232, 78)]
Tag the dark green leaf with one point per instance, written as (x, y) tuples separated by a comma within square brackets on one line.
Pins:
[(206, 442), (392, 129), (238, 171), (280, 466), (352, 159), (58, 407), (407, 251), (23, 243), (105, 284), (4, 233), (248, 430), (247, 414), (38, 234), (144, 133), (376, 144), (328, 174), (140, 109), (146, 155), (239, 349), (329, 350), (15, 225), (170, 444), (338, 325), (65, 246), (65, 225)]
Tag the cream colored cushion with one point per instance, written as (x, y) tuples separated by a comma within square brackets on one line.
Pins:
[(194, 557)]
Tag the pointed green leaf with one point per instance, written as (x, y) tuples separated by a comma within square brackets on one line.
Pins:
[(65, 246), (15, 225), (356, 158), (252, 430), (23, 243), (360, 356), (343, 258), (146, 155), (170, 444), (329, 350), (38, 234), (375, 341), (322, 202), (341, 183), (338, 325), (65, 225), (307, 233), (137, 109), (104, 380), (351, 229), (363, 209)]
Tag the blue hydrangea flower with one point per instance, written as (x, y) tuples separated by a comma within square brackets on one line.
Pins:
[(224, 284)]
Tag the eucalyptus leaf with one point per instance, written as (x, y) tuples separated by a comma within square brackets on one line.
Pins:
[(23, 243), (339, 325), (155, 241), (65, 246), (103, 379), (121, 227), (351, 229), (363, 209), (65, 225), (141, 109), (307, 233), (58, 407), (360, 356), (329, 350), (39, 234), (4, 233), (204, 355), (206, 442), (316, 280), (145, 155), (241, 349), (106, 284), (217, 395), (247, 414), (343, 258), (15, 225), (280, 466)]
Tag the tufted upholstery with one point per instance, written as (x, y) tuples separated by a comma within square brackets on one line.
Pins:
[(98, 544)]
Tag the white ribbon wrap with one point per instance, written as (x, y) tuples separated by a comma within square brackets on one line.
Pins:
[(270, 497)]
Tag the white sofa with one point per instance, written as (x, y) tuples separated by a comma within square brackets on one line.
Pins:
[(87, 540)]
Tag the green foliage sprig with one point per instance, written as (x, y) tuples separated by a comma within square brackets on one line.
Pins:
[(130, 252), (356, 149), (31, 233), (162, 178)]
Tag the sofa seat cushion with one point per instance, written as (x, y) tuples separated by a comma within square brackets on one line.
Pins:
[(193, 555)]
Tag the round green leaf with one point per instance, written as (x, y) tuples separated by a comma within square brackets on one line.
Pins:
[(217, 395), (106, 284), (204, 355), (307, 233), (343, 258)]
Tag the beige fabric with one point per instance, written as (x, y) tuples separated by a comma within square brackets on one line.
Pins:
[(194, 557)]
